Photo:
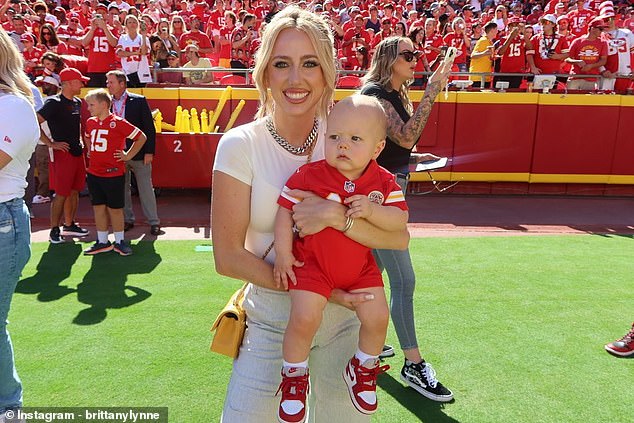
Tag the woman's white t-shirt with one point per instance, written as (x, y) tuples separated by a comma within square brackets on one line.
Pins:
[(19, 133), (249, 154)]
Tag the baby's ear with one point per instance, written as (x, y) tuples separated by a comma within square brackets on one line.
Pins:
[(379, 147)]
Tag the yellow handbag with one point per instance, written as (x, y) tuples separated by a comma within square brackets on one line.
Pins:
[(230, 326), (232, 322)]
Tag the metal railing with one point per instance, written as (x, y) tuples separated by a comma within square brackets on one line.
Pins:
[(483, 76)]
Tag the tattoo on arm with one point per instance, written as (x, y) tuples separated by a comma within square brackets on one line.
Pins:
[(407, 134)]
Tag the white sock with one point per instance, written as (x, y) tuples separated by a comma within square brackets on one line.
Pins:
[(301, 365), (102, 237), (363, 357), (118, 237)]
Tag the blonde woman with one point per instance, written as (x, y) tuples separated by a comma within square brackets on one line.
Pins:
[(133, 48), (295, 78), (20, 131)]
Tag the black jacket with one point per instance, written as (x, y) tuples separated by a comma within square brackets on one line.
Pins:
[(138, 113)]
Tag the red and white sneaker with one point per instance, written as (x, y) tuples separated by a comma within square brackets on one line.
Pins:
[(623, 347), (294, 388), (361, 381)]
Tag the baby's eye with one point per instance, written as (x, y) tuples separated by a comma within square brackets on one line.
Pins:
[(333, 137), (280, 65), (356, 138)]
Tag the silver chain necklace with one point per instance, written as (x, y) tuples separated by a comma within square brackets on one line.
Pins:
[(308, 144)]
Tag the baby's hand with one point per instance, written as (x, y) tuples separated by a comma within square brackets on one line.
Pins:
[(359, 206), (283, 270)]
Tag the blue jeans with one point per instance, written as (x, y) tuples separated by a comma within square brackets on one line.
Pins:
[(15, 251), (400, 271), (398, 265)]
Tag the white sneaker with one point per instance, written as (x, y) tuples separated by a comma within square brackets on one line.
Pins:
[(40, 199)]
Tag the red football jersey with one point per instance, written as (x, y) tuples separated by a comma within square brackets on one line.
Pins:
[(514, 58), (101, 55), (433, 41), (454, 40), (541, 47), (337, 254), (579, 20), (351, 34), (106, 137)]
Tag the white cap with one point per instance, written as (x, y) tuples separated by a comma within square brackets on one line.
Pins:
[(47, 80)]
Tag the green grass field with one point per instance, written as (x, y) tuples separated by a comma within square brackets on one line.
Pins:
[(515, 326)]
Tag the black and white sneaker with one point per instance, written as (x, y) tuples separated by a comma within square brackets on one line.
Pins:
[(422, 377), (74, 230), (98, 248), (388, 351), (54, 236)]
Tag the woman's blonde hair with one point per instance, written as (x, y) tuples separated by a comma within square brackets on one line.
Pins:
[(317, 30), (13, 80), (385, 55)]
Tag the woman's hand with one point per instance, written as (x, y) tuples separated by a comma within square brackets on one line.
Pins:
[(348, 299), (442, 72), (313, 214), (423, 157)]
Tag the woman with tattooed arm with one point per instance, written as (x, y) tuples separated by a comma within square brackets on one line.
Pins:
[(388, 79)]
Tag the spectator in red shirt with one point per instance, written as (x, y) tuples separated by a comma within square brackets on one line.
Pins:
[(548, 50), (417, 35), (433, 42), (459, 39), (194, 35), (60, 15), (32, 55), (224, 39), (587, 55), (71, 35), (355, 37), (513, 53), (580, 18), (534, 17), (100, 43), (241, 40)]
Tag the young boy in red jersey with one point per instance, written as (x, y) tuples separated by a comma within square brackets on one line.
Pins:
[(317, 264), (105, 141)]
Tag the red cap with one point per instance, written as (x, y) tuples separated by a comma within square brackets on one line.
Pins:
[(71, 74), (597, 23), (27, 36)]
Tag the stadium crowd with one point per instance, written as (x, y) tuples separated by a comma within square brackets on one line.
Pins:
[(508, 36)]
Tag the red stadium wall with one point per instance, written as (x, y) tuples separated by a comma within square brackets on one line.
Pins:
[(499, 142)]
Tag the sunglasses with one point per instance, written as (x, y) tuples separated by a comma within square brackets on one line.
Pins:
[(74, 20), (46, 33), (409, 55)]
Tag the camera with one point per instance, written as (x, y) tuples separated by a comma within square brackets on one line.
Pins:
[(98, 16)]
